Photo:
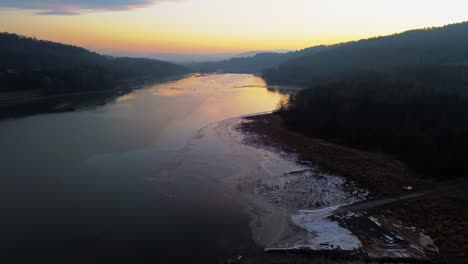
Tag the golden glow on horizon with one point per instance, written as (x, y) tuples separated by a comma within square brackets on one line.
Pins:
[(223, 26)]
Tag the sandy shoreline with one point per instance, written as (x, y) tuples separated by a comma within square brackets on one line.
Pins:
[(285, 217)]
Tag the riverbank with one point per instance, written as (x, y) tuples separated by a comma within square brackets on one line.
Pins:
[(402, 229), (379, 173)]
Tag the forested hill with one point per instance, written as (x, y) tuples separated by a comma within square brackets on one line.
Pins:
[(28, 63), (431, 46), (404, 95), (448, 44)]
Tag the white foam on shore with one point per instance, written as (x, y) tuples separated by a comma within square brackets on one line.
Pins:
[(329, 234)]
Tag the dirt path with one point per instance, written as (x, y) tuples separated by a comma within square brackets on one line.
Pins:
[(434, 189)]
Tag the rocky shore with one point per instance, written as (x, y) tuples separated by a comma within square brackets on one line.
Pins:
[(395, 219)]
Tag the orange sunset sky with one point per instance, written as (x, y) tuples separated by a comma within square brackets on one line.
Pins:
[(219, 26)]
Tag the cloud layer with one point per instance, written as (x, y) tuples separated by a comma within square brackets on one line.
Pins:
[(74, 7)]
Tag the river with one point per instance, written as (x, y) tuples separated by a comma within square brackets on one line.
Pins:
[(141, 179)]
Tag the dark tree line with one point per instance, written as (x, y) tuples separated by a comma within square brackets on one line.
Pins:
[(28, 63), (417, 114), (405, 94)]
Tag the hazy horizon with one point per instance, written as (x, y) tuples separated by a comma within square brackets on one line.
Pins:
[(205, 27), (188, 58)]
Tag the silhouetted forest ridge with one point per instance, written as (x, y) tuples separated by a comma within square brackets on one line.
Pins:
[(448, 44), (406, 95), (54, 68), (429, 46), (419, 114)]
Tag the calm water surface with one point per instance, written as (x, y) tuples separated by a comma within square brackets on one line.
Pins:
[(134, 181)]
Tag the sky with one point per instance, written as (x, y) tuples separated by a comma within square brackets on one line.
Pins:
[(139, 27)]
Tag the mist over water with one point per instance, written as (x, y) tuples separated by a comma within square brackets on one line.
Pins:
[(134, 180)]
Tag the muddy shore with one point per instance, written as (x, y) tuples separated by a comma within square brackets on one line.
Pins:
[(425, 212)]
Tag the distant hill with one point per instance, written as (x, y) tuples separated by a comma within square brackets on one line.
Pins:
[(254, 62), (253, 53), (27, 63), (195, 58)]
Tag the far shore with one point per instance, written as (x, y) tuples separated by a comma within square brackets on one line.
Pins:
[(31, 102)]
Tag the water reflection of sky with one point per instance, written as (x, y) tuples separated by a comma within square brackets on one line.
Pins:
[(104, 177)]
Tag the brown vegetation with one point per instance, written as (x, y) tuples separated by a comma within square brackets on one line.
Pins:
[(378, 172)]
